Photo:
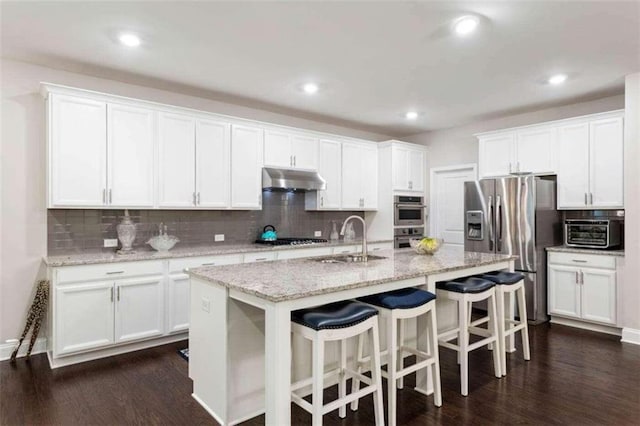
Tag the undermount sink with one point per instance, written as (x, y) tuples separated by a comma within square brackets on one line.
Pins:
[(347, 258)]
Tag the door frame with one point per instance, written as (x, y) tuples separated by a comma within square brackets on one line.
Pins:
[(433, 199)]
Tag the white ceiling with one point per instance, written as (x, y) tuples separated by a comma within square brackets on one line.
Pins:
[(373, 60)]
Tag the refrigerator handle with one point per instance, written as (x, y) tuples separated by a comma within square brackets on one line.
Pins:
[(491, 222), (499, 223)]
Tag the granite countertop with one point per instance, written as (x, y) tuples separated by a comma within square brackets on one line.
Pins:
[(83, 258), (565, 249), (294, 279)]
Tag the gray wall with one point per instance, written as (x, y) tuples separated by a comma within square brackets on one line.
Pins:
[(23, 213)]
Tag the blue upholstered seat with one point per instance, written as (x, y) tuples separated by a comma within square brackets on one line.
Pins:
[(334, 315), (405, 298), (466, 285), (503, 277)]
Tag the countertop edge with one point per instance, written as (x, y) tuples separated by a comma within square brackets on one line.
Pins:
[(597, 252)]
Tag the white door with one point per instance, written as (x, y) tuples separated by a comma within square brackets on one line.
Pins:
[(83, 316), (534, 148), (213, 144), (606, 163), (246, 167), (139, 308), (177, 160), (178, 303), (599, 295), (496, 156), (78, 152), (305, 152), (277, 149), (351, 177), (369, 177), (447, 202), (130, 149), (399, 167), (573, 165), (564, 291), (330, 168), (417, 165)]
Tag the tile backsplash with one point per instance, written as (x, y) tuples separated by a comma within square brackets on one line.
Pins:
[(74, 230)]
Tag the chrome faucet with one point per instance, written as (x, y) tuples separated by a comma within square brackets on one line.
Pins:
[(364, 234)]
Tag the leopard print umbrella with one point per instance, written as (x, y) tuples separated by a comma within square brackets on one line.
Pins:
[(35, 317)]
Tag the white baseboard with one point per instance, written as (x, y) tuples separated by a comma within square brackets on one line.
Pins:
[(6, 349), (585, 325), (630, 335)]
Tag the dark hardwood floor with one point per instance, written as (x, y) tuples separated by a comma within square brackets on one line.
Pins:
[(575, 377)]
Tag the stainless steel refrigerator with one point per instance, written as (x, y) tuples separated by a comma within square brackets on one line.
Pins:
[(516, 215)]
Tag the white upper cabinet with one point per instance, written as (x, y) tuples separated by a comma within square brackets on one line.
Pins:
[(330, 168), (77, 152), (534, 150), (606, 163), (359, 176), (176, 160), (496, 154), (573, 165), (246, 167), (288, 150), (408, 168), (590, 163), (131, 156), (213, 155)]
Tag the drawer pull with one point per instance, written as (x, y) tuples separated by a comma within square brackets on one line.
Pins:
[(115, 272), (260, 258), (209, 264), (578, 261)]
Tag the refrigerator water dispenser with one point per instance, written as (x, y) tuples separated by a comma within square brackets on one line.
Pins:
[(475, 225)]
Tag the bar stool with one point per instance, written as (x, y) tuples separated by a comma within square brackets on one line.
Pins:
[(466, 291), (510, 284), (338, 321), (394, 307)]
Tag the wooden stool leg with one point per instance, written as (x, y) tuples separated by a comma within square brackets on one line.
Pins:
[(376, 376), (400, 357), (392, 361), (342, 384), (355, 384), (318, 386), (463, 343), (435, 367), (494, 323), (522, 308)]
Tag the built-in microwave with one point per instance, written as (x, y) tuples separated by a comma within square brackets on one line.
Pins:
[(409, 210), (592, 233)]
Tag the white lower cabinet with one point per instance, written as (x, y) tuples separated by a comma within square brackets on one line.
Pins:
[(582, 287), (139, 308), (178, 315)]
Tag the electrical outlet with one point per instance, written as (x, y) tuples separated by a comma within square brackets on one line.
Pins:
[(317, 234), (111, 242), (218, 237), (206, 304)]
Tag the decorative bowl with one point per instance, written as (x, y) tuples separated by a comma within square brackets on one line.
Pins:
[(421, 248), (163, 242)]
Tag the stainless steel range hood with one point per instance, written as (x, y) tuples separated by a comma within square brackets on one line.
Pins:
[(292, 179)]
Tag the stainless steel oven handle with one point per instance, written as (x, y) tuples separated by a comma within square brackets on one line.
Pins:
[(420, 206)]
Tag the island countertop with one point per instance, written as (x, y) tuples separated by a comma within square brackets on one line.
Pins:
[(282, 280)]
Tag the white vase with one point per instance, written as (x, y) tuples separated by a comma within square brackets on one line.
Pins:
[(126, 234)]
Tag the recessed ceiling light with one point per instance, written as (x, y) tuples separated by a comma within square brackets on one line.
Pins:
[(466, 25), (129, 39), (557, 79), (411, 115), (310, 88)]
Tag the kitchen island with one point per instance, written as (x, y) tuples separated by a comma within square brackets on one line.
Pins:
[(240, 336)]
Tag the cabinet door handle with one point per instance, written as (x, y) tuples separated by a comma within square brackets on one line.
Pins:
[(518, 167), (193, 198), (581, 277), (294, 161), (104, 196), (198, 201), (509, 167), (118, 293), (112, 294), (321, 201), (585, 199), (577, 277), (591, 198), (291, 160), (110, 198), (115, 272)]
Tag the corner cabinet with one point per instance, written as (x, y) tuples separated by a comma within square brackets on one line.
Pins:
[(582, 287)]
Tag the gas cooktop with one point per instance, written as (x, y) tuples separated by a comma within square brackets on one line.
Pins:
[(292, 241)]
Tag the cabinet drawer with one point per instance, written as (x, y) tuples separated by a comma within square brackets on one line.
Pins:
[(379, 246), (259, 257), (347, 249), (179, 265), (306, 252), (583, 260), (114, 271)]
